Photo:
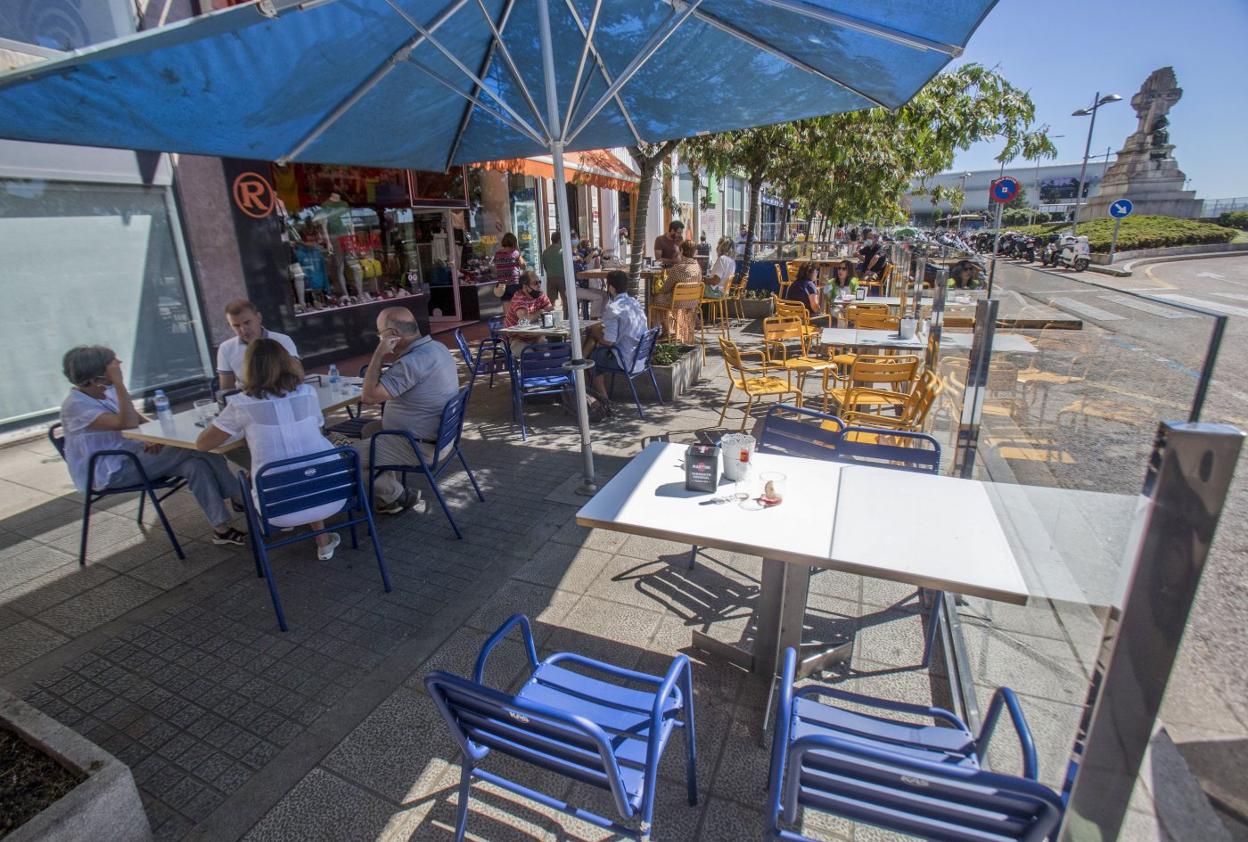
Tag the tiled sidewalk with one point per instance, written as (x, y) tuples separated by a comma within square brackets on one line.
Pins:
[(236, 730)]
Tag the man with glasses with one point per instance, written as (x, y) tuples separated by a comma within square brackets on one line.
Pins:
[(420, 379)]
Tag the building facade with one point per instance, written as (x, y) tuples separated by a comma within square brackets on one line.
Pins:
[(1048, 188)]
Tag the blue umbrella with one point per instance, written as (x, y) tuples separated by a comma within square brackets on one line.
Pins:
[(428, 85)]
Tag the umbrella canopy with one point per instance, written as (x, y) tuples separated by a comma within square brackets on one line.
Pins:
[(427, 85)]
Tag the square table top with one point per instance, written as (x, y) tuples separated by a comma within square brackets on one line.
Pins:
[(182, 430), (853, 337), (842, 517), (564, 328)]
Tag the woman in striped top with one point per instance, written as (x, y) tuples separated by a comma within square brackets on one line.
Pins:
[(508, 264)]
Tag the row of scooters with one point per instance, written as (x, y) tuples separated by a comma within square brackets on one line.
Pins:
[(1058, 250)]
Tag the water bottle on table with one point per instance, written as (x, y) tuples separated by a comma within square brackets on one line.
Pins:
[(333, 379), (163, 411)]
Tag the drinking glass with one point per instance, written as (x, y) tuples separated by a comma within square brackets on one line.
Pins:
[(205, 410)]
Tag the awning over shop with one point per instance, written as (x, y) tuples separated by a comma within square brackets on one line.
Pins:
[(597, 167)]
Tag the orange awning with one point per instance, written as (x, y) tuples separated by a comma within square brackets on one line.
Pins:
[(597, 167)]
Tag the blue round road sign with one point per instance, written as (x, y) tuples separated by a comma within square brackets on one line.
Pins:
[(1004, 189), (1121, 209)]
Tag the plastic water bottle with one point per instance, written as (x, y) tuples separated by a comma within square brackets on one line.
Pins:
[(333, 378), (163, 412)]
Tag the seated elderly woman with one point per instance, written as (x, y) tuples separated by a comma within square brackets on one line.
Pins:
[(99, 407), (280, 416)]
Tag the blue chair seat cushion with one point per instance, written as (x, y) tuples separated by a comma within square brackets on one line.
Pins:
[(919, 742), (545, 382)]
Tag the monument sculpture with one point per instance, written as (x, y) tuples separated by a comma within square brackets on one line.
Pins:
[(1145, 170)]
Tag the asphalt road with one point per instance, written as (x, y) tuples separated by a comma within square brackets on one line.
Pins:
[(1206, 710)]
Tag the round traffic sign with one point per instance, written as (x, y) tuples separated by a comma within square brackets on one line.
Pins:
[(1004, 189), (1121, 209)]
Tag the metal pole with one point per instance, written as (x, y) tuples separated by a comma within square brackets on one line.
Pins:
[(1206, 371), (976, 388), (1087, 147), (1035, 185), (578, 366), (996, 243), (1187, 482), (1113, 243)]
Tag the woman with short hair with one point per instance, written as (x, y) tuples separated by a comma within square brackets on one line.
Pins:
[(280, 416), (93, 416), (723, 269)]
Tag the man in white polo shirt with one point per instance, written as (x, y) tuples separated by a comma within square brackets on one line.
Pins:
[(244, 320)]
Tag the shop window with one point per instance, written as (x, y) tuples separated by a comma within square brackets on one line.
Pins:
[(90, 264)]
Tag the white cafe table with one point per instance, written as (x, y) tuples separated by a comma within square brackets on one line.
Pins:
[(1005, 343), (949, 539), (563, 329), (849, 337), (182, 430)]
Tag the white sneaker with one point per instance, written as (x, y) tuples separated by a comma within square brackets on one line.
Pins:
[(326, 552)]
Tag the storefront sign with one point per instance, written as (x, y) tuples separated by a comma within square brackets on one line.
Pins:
[(254, 195)]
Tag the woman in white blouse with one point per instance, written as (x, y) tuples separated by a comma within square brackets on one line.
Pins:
[(723, 269), (281, 418)]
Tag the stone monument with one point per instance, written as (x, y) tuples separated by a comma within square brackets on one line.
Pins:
[(1145, 170)]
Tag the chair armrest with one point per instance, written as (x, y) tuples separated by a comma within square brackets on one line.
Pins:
[(1004, 698), (133, 457), (780, 740), (401, 434), (869, 420), (526, 634), (602, 666)]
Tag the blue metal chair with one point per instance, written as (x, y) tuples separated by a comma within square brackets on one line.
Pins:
[(303, 482), (790, 430), (477, 363), (539, 371), (642, 355), (446, 445), (589, 729), (145, 489), (924, 780)]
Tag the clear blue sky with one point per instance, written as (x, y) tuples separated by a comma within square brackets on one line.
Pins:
[(1063, 51)]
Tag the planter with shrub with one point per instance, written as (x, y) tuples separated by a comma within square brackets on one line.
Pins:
[(676, 368), (756, 304), (1141, 232)]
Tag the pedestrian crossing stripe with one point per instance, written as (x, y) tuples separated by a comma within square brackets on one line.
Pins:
[(1085, 310), (1215, 306), (1146, 307)]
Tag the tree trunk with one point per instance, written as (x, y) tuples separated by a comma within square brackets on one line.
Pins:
[(756, 186), (646, 166), (784, 217)]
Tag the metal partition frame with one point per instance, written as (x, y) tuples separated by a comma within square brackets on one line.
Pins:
[(1188, 478)]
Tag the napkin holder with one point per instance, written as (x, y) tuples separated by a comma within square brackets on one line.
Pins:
[(701, 468)]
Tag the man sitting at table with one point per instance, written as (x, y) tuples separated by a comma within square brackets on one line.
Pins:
[(415, 388), (667, 246), (99, 407), (245, 321), (622, 327)]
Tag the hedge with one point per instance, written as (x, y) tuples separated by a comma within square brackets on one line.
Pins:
[(1235, 219), (1141, 232)]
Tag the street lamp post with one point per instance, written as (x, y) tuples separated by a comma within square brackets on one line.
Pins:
[(962, 201), (1036, 181), (1097, 102)]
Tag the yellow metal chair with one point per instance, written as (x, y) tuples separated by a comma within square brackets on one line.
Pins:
[(756, 381), (867, 374), (914, 409), (784, 284), (685, 297), (787, 346), (876, 321)]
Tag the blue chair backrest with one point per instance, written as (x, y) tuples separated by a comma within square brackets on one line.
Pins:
[(901, 450), (303, 482), (465, 351), (917, 796), (545, 359), (451, 427), (495, 324), (796, 431), (484, 719), (644, 350), (57, 437)]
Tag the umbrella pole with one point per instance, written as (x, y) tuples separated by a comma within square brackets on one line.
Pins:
[(579, 366)]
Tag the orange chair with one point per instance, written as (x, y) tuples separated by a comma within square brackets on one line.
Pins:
[(786, 345), (870, 372), (914, 408)]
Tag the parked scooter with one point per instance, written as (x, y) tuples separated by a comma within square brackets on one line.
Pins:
[(1073, 253)]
